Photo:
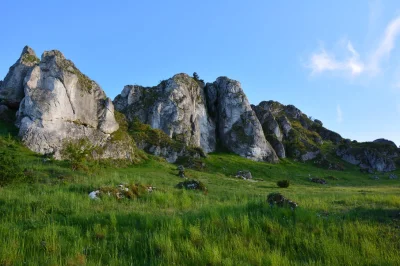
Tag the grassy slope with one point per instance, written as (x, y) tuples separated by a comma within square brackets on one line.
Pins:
[(51, 220)]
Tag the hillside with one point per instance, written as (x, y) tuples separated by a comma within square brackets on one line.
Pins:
[(47, 217), (182, 173)]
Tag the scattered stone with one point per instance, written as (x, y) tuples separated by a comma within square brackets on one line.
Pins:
[(279, 200), (192, 185), (318, 180), (375, 177), (245, 175), (393, 176), (121, 191), (181, 170), (94, 195)]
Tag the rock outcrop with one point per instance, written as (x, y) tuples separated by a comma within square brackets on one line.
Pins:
[(12, 88), (237, 125), (370, 156), (176, 106), (58, 103), (290, 132), (198, 115)]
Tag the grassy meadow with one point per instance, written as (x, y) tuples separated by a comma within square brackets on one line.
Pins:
[(47, 218)]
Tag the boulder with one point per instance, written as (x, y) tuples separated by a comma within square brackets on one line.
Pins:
[(277, 199), (192, 185), (244, 175)]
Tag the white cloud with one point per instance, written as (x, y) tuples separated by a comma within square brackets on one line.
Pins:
[(339, 114), (386, 44), (322, 61), (351, 64)]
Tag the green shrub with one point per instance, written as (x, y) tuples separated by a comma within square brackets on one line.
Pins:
[(77, 152), (283, 183)]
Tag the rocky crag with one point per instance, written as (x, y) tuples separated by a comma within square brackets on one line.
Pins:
[(199, 115), (57, 103), (52, 102)]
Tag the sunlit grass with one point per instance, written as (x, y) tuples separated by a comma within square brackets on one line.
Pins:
[(51, 220)]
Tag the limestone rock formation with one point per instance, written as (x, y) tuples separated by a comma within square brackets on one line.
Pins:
[(59, 103), (370, 156), (237, 125), (188, 111), (291, 132), (12, 88), (176, 106)]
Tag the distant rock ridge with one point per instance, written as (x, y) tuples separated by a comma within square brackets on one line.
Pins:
[(180, 117)]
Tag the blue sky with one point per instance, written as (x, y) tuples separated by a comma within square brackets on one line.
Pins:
[(338, 61)]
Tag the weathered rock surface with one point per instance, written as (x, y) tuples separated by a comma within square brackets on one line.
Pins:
[(273, 133), (238, 127), (59, 103), (176, 106), (12, 88), (370, 156), (289, 131), (198, 115)]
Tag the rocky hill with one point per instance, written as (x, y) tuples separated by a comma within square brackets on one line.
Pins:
[(53, 103), (56, 103)]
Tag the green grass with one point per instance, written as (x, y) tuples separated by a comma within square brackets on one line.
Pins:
[(48, 218)]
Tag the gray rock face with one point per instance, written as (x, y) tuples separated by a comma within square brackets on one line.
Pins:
[(12, 88), (60, 103), (198, 115), (265, 112), (238, 127), (309, 155), (369, 158), (176, 106)]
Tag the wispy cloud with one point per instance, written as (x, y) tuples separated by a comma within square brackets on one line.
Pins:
[(339, 114), (351, 64), (322, 61), (386, 45)]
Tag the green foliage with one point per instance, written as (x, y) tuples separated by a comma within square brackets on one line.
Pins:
[(143, 133), (77, 152), (10, 167), (28, 58), (283, 183)]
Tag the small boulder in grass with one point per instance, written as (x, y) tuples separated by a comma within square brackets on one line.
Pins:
[(245, 175), (279, 200), (283, 183), (192, 185), (318, 180), (181, 172), (121, 191)]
